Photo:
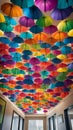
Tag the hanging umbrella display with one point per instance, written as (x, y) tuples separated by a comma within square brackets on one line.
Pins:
[(46, 5), (60, 14), (50, 29), (2, 19), (6, 27), (11, 10), (66, 50), (64, 4), (20, 28), (44, 21), (36, 29), (41, 37), (4, 40), (32, 12), (23, 3), (59, 35), (65, 25)]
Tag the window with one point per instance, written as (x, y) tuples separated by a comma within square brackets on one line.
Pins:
[(53, 123), (35, 125)]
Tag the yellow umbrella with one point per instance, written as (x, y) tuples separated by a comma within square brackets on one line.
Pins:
[(2, 19), (62, 70), (11, 10), (1, 33), (61, 56), (70, 33)]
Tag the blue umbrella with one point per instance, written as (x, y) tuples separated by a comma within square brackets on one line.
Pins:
[(45, 45), (10, 20), (28, 81), (68, 40), (18, 39), (4, 40), (13, 44), (60, 43), (66, 50), (64, 4), (46, 81), (36, 29), (26, 57), (59, 84), (56, 61), (27, 52), (18, 87), (16, 57), (32, 12), (26, 35), (54, 47), (23, 3)]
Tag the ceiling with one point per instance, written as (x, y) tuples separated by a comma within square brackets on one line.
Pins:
[(36, 54)]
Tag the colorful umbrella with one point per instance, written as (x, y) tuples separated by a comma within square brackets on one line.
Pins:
[(10, 34), (1, 33), (11, 10), (5, 27), (59, 14), (4, 40), (59, 35), (32, 12), (66, 50), (36, 29), (26, 35), (23, 3), (10, 20), (65, 25), (2, 19), (64, 4), (44, 21), (18, 39), (25, 21), (19, 28), (70, 33), (50, 29), (46, 5), (68, 40)]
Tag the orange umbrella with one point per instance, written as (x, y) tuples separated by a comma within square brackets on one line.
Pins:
[(11, 10), (51, 40), (58, 35), (31, 41), (41, 37), (20, 28)]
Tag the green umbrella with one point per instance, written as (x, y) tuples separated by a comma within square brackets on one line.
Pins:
[(44, 21), (65, 25), (5, 27)]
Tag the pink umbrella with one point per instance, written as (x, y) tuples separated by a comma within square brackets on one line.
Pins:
[(46, 5), (50, 29)]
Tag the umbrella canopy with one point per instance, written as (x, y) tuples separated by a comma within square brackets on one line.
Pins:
[(32, 12), (2, 19), (46, 5), (36, 29), (10, 34), (4, 40), (6, 27), (26, 35), (11, 10), (68, 40), (18, 39), (1, 33), (50, 29), (64, 4), (41, 36), (70, 33), (59, 35), (23, 3), (44, 21), (19, 28), (25, 21), (65, 25), (59, 14), (10, 20)]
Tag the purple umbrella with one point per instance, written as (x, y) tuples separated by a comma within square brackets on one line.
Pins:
[(50, 29), (46, 5), (10, 34), (25, 21), (59, 14)]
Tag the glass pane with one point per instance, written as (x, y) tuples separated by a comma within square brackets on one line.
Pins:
[(15, 122), (35, 125), (21, 124)]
